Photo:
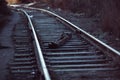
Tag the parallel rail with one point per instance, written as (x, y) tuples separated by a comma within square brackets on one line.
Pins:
[(102, 46), (99, 44), (38, 48)]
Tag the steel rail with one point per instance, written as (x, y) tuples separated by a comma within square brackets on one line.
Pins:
[(102, 46), (40, 54)]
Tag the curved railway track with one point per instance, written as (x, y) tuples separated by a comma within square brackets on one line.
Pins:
[(52, 48)]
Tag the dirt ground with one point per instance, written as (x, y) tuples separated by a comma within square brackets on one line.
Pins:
[(6, 45)]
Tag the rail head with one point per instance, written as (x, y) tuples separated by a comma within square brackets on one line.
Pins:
[(102, 46), (38, 47)]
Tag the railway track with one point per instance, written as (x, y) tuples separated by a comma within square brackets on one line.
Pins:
[(24, 65), (52, 48)]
